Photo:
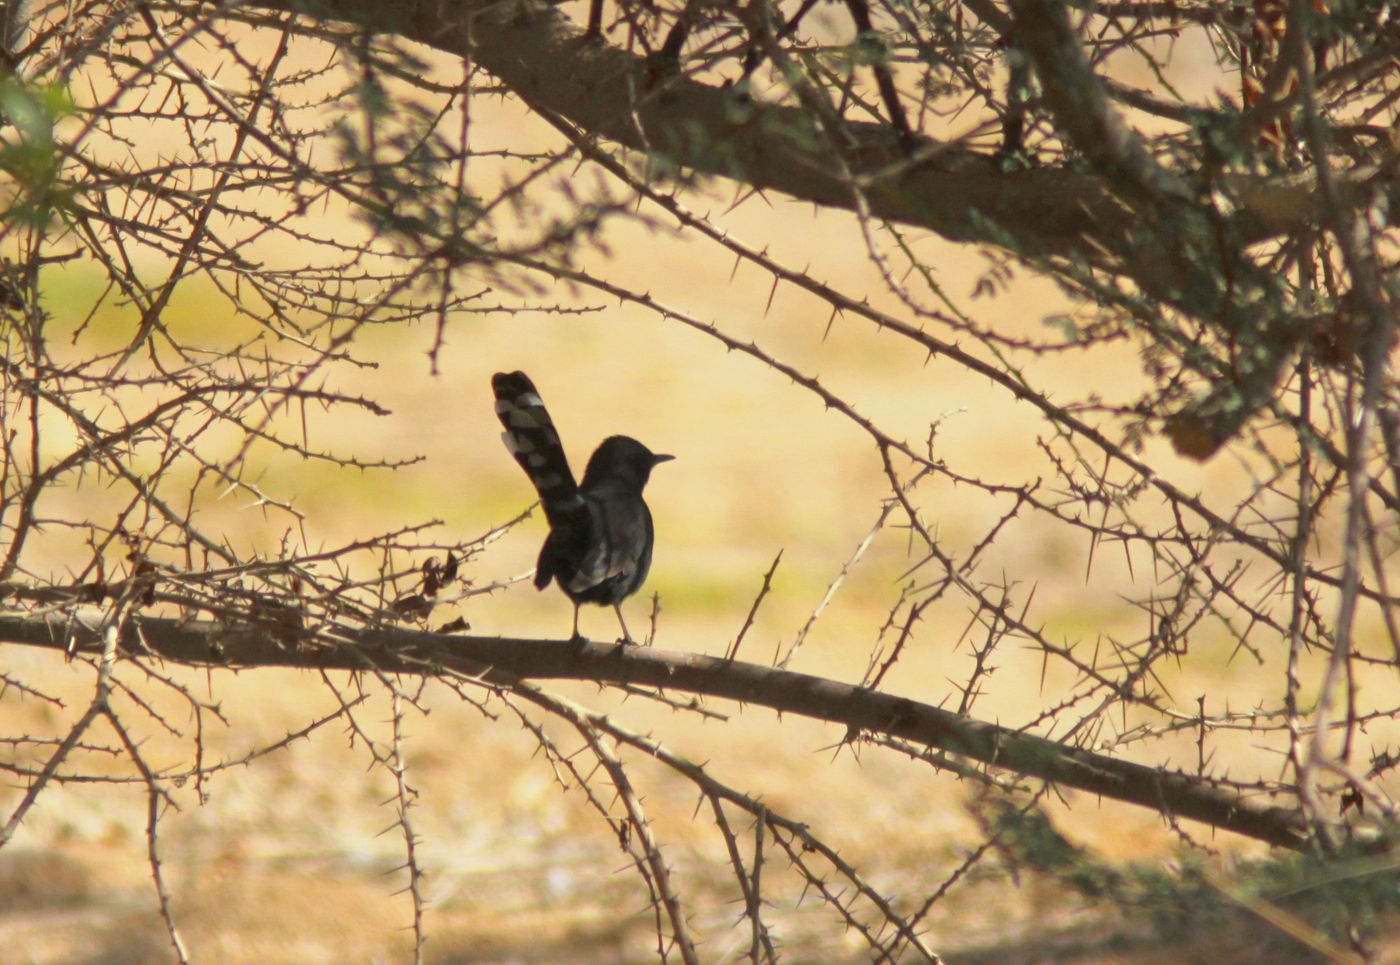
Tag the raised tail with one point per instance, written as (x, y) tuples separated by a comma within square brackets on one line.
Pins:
[(531, 438)]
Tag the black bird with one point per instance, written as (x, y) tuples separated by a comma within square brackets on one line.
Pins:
[(600, 533)]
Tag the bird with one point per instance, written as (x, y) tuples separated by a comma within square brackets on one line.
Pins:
[(600, 531)]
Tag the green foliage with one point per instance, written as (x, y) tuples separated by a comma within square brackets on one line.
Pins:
[(395, 147), (1335, 895), (32, 157)]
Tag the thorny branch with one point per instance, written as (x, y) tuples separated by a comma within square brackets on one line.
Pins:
[(213, 215)]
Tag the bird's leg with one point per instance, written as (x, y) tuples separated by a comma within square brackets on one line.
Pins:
[(576, 635), (626, 637)]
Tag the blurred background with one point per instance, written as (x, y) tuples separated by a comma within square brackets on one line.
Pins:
[(287, 847)]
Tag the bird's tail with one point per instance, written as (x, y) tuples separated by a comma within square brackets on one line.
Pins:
[(532, 440)]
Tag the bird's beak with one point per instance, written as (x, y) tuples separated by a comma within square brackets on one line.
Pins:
[(658, 457)]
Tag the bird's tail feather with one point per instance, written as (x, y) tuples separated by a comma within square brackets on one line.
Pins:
[(531, 438)]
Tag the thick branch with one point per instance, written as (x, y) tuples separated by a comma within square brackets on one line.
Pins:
[(502, 661), (960, 194), (1202, 261)]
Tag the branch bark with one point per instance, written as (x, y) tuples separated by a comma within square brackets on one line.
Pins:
[(961, 194), (503, 661)]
